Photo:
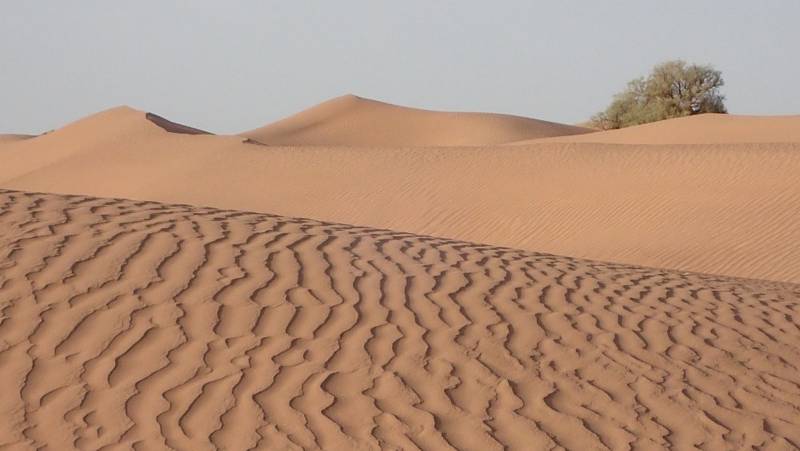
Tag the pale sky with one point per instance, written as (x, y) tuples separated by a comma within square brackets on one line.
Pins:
[(235, 65)]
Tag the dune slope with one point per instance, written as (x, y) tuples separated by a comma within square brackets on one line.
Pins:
[(149, 325), (723, 208), (121, 129), (700, 129), (354, 121)]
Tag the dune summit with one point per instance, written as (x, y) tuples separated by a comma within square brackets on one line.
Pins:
[(99, 137), (354, 121), (144, 325)]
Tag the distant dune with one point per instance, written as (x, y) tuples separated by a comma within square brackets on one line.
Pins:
[(717, 208), (139, 325), (354, 121), (104, 135), (700, 129)]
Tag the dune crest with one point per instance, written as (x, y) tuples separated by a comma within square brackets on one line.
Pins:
[(145, 325), (101, 136), (354, 121), (115, 124), (701, 129)]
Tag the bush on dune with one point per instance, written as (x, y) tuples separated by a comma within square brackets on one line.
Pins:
[(673, 89)]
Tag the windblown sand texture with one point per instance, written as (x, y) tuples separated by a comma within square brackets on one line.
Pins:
[(129, 324), (701, 129), (719, 207), (203, 314)]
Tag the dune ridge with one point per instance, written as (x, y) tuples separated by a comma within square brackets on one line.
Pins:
[(717, 208), (355, 121), (710, 128), (119, 129), (138, 324)]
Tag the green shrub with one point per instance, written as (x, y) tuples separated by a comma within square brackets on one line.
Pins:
[(673, 89)]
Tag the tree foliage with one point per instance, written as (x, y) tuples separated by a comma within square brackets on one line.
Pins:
[(673, 89)]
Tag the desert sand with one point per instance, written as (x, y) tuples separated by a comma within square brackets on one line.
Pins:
[(718, 208), (355, 121), (468, 281), (708, 128), (130, 324)]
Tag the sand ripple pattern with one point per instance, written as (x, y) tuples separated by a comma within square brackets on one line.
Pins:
[(139, 325)]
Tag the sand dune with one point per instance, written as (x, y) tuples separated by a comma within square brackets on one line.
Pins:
[(700, 129), (117, 130), (142, 325), (724, 208), (146, 325), (354, 121)]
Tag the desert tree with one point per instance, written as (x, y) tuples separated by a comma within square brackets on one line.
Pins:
[(673, 89)]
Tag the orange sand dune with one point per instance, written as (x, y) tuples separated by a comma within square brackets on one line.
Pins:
[(138, 325), (700, 129), (355, 121), (120, 129), (727, 209)]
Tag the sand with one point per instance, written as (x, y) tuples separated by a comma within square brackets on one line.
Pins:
[(728, 209), (355, 121), (167, 294), (142, 325), (700, 129)]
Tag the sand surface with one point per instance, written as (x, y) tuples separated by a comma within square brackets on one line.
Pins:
[(140, 325), (204, 314), (701, 129), (355, 121), (720, 208)]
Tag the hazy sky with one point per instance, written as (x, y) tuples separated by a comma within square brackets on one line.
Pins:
[(235, 65)]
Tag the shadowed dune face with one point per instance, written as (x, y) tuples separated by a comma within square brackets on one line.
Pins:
[(353, 121), (153, 325), (700, 129), (173, 127), (11, 137)]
